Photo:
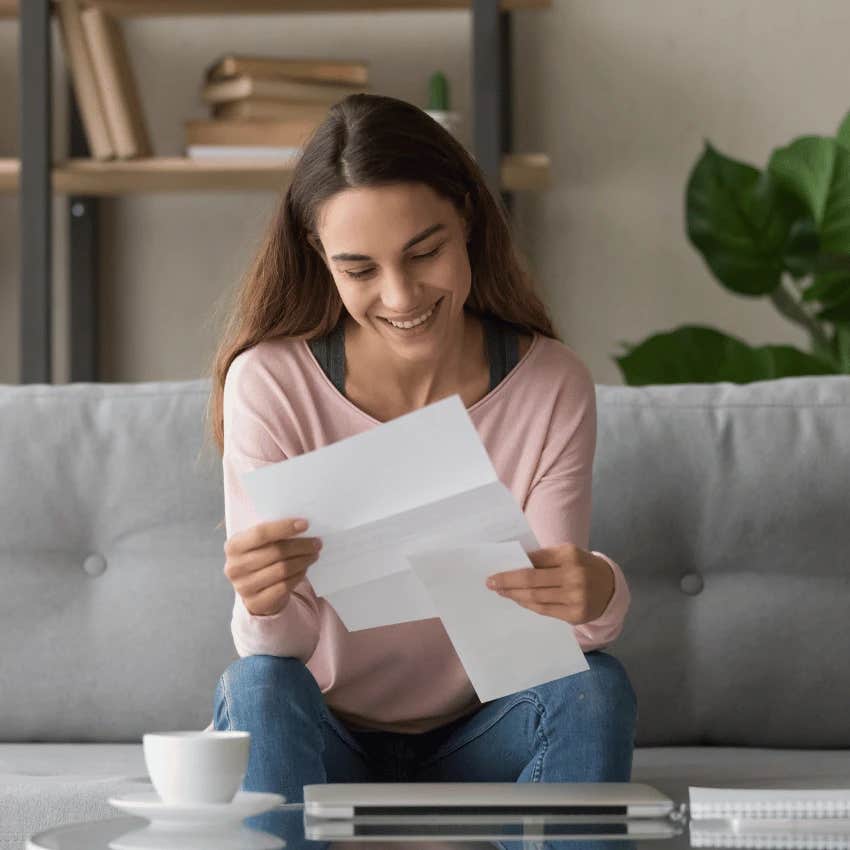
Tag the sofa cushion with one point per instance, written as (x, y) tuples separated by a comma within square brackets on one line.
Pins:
[(727, 507), (46, 785), (673, 769), (115, 613)]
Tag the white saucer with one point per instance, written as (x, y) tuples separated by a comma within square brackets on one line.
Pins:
[(153, 837), (147, 804)]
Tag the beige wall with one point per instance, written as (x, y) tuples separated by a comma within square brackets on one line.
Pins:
[(621, 93)]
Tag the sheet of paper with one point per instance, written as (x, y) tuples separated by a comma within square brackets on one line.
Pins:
[(503, 647), (421, 481), (377, 549), (418, 458), (397, 598)]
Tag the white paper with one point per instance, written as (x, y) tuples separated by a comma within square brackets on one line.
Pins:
[(503, 647), (423, 456), (397, 598), (419, 482)]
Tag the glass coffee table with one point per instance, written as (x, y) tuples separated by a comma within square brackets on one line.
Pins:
[(287, 826)]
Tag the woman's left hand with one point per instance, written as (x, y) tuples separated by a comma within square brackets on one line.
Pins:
[(565, 582)]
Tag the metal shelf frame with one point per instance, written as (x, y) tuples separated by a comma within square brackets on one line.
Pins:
[(492, 121)]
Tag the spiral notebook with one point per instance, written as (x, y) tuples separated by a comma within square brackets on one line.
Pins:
[(757, 803)]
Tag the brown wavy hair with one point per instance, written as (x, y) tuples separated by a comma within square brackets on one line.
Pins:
[(368, 140)]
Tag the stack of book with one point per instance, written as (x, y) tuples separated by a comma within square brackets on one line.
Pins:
[(103, 83), (263, 106)]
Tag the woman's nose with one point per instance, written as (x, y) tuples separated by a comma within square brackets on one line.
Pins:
[(399, 293)]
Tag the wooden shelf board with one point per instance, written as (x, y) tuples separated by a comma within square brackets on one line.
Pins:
[(179, 174), (139, 8), (9, 170), (167, 174)]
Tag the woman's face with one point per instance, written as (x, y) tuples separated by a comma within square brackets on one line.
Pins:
[(398, 257)]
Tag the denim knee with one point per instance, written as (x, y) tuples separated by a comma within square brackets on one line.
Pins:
[(604, 690), (266, 683)]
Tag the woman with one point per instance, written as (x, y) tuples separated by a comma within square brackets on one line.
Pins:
[(387, 281)]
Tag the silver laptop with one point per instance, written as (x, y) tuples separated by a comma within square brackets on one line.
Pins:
[(471, 799), (446, 828)]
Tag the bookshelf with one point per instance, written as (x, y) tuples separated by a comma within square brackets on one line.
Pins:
[(180, 174), (140, 8), (85, 180)]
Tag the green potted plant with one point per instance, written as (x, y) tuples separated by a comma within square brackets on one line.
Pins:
[(439, 103), (781, 233)]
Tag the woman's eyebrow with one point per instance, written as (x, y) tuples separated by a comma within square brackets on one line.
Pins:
[(409, 244)]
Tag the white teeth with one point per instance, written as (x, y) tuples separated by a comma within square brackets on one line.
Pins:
[(414, 323)]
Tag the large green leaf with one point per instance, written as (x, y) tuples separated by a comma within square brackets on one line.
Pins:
[(842, 346), (843, 134), (739, 220), (816, 170), (803, 256), (802, 248), (828, 287), (698, 354), (837, 312)]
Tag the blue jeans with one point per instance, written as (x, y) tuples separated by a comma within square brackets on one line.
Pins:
[(576, 729)]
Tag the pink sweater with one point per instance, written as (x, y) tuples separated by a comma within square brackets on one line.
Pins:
[(539, 428)]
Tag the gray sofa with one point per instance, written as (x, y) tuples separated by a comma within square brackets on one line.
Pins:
[(726, 505)]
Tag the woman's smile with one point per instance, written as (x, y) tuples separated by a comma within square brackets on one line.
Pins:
[(420, 324)]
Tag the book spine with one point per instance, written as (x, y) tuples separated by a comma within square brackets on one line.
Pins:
[(286, 133), (83, 81), (234, 152), (340, 72), (243, 86), (117, 84), (258, 108)]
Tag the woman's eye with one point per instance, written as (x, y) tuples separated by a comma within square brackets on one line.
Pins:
[(358, 275), (429, 254), (364, 272)]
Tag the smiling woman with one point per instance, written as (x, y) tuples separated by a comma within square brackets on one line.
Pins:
[(386, 213), (388, 279)]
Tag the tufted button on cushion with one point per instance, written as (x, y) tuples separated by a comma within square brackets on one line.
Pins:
[(94, 565), (691, 583)]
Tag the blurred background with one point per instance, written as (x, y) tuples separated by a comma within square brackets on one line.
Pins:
[(621, 94)]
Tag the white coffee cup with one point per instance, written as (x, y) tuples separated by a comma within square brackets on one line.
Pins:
[(196, 767)]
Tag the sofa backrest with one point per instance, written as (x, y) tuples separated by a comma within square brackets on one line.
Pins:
[(726, 506), (115, 611)]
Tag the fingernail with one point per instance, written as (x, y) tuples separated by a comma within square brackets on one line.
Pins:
[(318, 544), (491, 583), (300, 524)]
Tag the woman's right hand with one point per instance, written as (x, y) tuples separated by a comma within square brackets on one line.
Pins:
[(265, 562)]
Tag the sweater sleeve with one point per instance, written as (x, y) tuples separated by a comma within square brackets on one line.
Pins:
[(249, 444), (558, 505)]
